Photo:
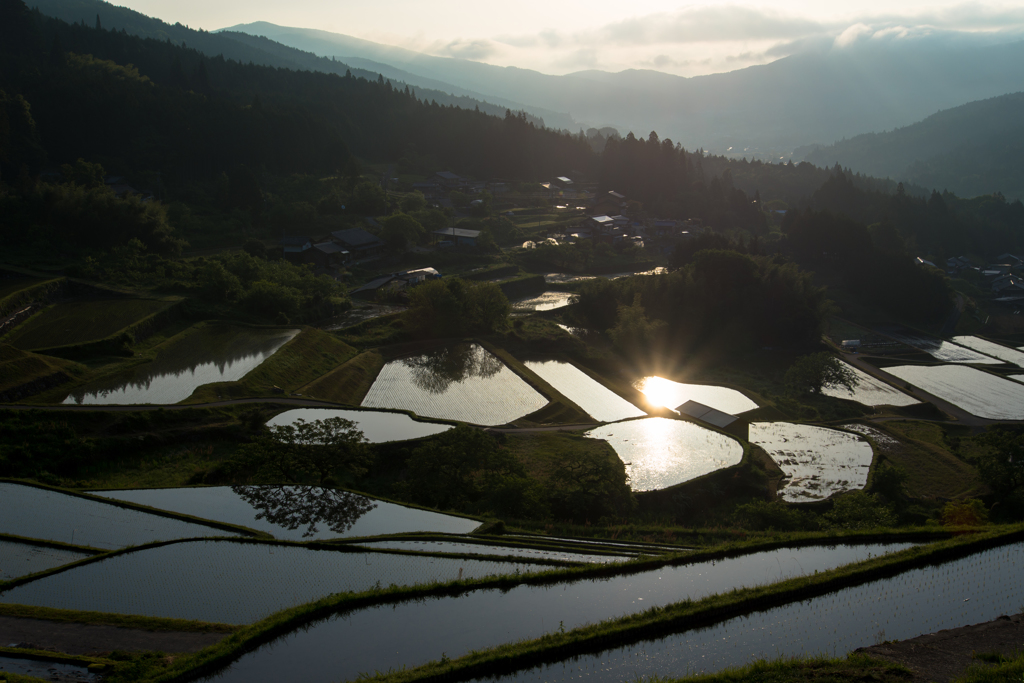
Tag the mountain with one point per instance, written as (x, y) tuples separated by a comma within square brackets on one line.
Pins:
[(245, 48), (973, 149), (761, 111)]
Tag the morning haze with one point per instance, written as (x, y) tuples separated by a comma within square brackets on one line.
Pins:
[(486, 341)]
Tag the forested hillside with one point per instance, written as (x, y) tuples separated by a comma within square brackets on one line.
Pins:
[(974, 149)]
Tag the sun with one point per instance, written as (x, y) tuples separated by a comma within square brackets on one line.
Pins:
[(659, 391)]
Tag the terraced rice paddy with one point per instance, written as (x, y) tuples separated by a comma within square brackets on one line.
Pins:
[(548, 301), (222, 504), (1003, 353), (941, 350), (664, 392), (21, 559), (976, 391), (236, 583), (428, 546), (377, 426), (967, 591), (818, 462), (597, 400), (219, 353), (462, 382), (77, 322), (53, 516), (385, 637), (46, 669), (870, 391), (660, 452)]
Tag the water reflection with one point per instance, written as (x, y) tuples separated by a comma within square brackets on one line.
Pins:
[(548, 301), (664, 392), (290, 507), (435, 371), (218, 353)]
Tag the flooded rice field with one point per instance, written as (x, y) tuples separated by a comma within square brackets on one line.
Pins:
[(47, 670), (218, 353), (548, 301), (967, 591), (939, 349), (461, 382), (385, 637), (376, 426), (818, 462), (660, 452), (432, 546), (976, 391), (664, 392), (223, 504), (597, 400), (21, 559), (870, 391), (53, 516), (237, 583), (1003, 353)]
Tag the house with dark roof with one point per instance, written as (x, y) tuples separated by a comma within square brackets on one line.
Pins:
[(358, 242), (456, 236), (327, 255), (448, 179), (716, 418), (295, 246)]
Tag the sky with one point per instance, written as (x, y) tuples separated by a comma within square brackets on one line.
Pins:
[(563, 36)]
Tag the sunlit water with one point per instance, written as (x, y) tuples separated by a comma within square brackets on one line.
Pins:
[(462, 382), (976, 391), (594, 398), (428, 546), (213, 354), (660, 452), (376, 426), (870, 391), (222, 504), (548, 301), (968, 591), (941, 350), (383, 637), (818, 462), (664, 392), (1003, 353)]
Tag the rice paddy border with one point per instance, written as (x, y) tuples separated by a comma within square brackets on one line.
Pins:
[(249, 638)]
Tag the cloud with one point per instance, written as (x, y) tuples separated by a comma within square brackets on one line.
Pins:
[(708, 24), (464, 49), (853, 34)]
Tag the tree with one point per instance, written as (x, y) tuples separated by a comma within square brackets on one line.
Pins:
[(401, 229), (306, 452), (633, 332), (819, 371), (589, 483), (413, 202), (440, 472), (1001, 464), (858, 510)]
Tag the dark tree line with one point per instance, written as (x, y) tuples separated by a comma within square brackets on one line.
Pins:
[(142, 104), (671, 183)]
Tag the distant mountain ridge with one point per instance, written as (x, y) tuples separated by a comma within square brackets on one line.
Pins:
[(757, 111), (973, 149), (244, 48)]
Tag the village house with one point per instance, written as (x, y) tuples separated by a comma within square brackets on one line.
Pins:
[(359, 243), (456, 237), (294, 247), (327, 255), (448, 180)]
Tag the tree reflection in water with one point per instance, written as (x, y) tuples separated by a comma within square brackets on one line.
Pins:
[(294, 506), (435, 371)]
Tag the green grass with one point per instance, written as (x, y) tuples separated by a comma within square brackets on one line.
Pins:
[(1005, 670), (348, 383), (19, 367), (932, 470), (77, 322), (310, 355), (8, 287), (854, 668), (120, 620)]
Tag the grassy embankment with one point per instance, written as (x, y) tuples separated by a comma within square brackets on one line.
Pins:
[(78, 322), (19, 368), (933, 471), (310, 355)]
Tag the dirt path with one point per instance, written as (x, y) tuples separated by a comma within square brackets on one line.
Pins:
[(92, 639), (945, 656)]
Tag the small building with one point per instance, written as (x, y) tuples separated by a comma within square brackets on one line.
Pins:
[(358, 242), (456, 236), (327, 255), (294, 247), (851, 344), (448, 180), (563, 182), (729, 424), (370, 289), (600, 223), (921, 261), (415, 277)]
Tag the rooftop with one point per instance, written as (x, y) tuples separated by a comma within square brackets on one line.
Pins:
[(458, 232)]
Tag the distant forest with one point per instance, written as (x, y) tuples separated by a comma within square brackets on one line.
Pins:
[(149, 108)]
